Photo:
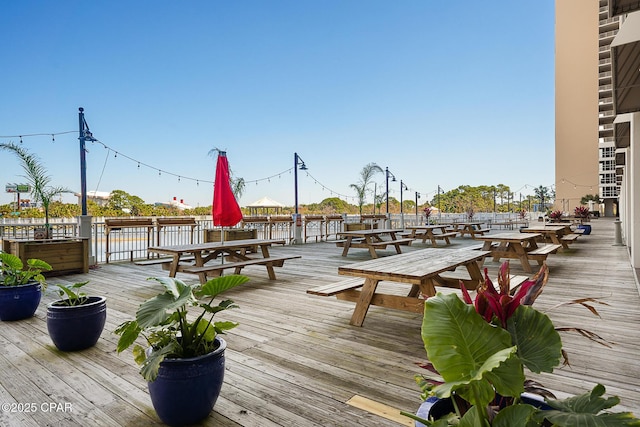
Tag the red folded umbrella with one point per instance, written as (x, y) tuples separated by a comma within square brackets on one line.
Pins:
[(225, 210)]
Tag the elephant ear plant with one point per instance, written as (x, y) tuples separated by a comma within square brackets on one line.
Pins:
[(163, 321), (14, 272), (480, 349)]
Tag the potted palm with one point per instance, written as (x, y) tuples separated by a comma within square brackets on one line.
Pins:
[(481, 348), (183, 360), (76, 321), (21, 286), (39, 180)]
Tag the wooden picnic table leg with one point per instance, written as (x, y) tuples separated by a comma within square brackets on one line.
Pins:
[(347, 245), (474, 272), (198, 262), (522, 255), (556, 239), (270, 270), (502, 247), (173, 269), (362, 306), (431, 237), (372, 250), (428, 288)]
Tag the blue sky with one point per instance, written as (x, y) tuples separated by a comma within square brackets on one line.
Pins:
[(442, 93)]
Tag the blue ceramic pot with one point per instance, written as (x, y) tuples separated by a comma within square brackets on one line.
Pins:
[(76, 327), (436, 408), (19, 302), (186, 389), (586, 228)]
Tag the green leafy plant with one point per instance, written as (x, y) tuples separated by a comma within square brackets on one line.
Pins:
[(481, 348), (13, 272), (72, 294), (163, 321)]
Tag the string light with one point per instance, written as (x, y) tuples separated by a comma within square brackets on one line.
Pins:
[(179, 177)]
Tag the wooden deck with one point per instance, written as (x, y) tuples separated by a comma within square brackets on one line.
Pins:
[(295, 360)]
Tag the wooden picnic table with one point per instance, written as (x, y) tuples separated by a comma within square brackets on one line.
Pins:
[(557, 234), (431, 232), (517, 245), (422, 269), (472, 228), (232, 254), (377, 238)]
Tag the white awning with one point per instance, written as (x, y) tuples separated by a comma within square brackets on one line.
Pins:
[(629, 31), (625, 50)]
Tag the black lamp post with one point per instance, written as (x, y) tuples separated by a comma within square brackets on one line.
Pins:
[(393, 179), (417, 197), (85, 135), (297, 162), (403, 186)]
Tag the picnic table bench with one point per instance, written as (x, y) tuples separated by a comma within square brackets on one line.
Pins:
[(472, 228), (233, 250), (517, 245), (372, 239), (421, 269), (431, 232), (557, 234), (273, 261)]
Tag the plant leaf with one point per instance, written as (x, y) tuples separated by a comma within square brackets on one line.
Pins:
[(220, 284), (465, 349), (515, 415), (155, 311), (539, 344), (129, 332), (584, 411)]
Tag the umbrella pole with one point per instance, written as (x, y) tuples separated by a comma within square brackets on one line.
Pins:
[(222, 253)]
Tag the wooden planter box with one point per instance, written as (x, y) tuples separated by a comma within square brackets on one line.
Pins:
[(64, 255), (356, 226), (232, 234)]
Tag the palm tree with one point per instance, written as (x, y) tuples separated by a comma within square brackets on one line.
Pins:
[(38, 179), (542, 193), (362, 187)]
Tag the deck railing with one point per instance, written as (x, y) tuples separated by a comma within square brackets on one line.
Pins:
[(131, 243)]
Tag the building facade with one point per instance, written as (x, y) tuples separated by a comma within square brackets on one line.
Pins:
[(585, 145)]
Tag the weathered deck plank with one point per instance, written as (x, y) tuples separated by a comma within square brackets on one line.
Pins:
[(295, 360)]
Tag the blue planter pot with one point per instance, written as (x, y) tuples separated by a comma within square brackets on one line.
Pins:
[(74, 328), (186, 389), (437, 408), (19, 302), (585, 227)]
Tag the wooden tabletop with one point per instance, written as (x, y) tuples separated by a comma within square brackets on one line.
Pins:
[(370, 232), (509, 237), (413, 267), (211, 246), (427, 227)]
